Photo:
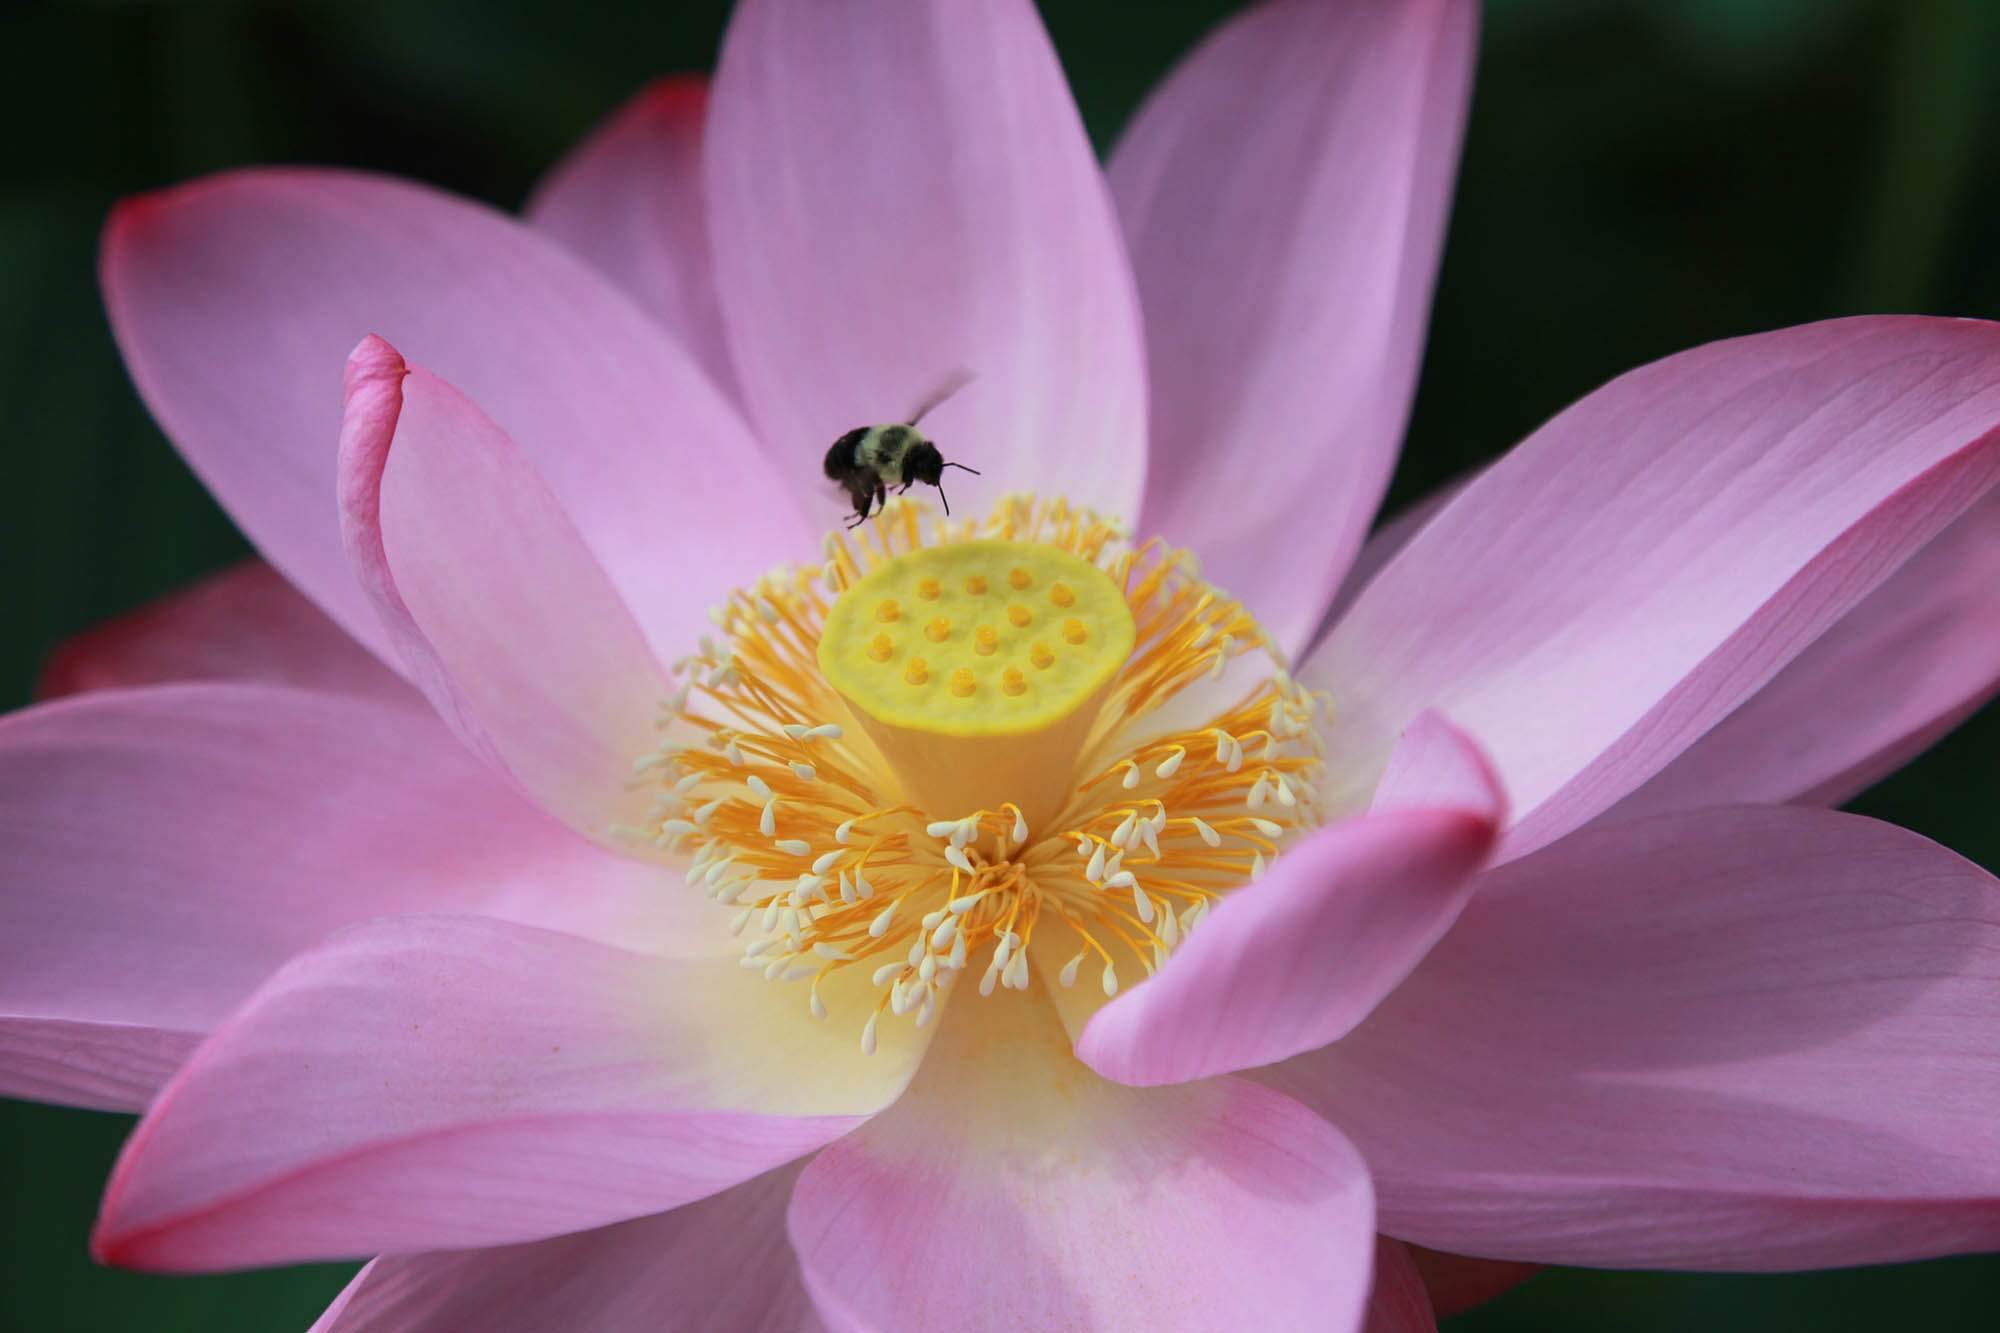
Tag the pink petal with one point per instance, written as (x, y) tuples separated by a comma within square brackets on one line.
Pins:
[(1606, 593), (1297, 959), (1398, 1302), (236, 298), (1918, 656), (900, 192), (1745, 1038), (722, 1263), (243, 624), (1012, 1189), (1385, 543), (447, 1082), (628, 201), (1284, 195), (169, 848), (497, 607)]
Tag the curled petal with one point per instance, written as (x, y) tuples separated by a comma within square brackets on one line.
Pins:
[(1748, 1038)]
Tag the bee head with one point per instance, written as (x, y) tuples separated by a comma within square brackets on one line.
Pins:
[(923, 463)]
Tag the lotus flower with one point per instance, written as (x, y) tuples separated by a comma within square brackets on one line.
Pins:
[(621, 898)]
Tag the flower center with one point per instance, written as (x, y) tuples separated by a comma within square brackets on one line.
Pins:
[(999, 739)]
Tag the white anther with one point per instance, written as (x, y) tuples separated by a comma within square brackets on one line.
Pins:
[(767, 823), (1257, 791), (1142, 904), (1131, 778), (1121, 836), (884, 972), (1004, 949), (842, 830), (774, 969), (1149, 833), (958, 947), (1016, 974), (1124, 879), (862, 887), (1171, 764), (932, 917), (966, 830), (1094, 872), (1067, 977), (796, 730), (941, 828), (755, 947), (813, 1002), (1020, 827), (929, 1008), (793, 846), (825, 861), (1110, 979), (1235, 754), (758, 787), (960, 906), (1208, 835), (796, 973), (713, 875), (1223, 740), (927, 969), (957, 856), (741, 920), (991, 979), (1083, 845), (674, 828), (1257, 867), (688, 783), (1269, 828), (880, 925), (833, 951), (771, 910), (1170, 930), (941, 937), (1285, 795), (825, 731), (804, 772), (733, 753), (707, 812), (846, 888), (868, 1035)]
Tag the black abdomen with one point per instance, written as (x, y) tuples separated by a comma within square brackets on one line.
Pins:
[(840, 458)]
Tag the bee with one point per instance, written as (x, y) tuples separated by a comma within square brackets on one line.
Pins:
[(868, 460)]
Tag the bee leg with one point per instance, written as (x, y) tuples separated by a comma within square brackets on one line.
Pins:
[(906, 486)]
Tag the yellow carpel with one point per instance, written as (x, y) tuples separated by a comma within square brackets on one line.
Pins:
[(970, 748)]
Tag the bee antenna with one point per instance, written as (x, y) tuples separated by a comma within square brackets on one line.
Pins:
[(963, 468), (947, 503)]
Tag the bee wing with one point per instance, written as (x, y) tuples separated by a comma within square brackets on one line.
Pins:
[(950, 385)]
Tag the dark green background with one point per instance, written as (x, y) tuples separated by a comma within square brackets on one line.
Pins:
[(1640, 176)]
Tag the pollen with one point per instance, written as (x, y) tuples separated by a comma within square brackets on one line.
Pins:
[(1043, 815)]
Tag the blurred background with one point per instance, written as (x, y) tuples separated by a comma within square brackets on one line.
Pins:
[(1640, 176)]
